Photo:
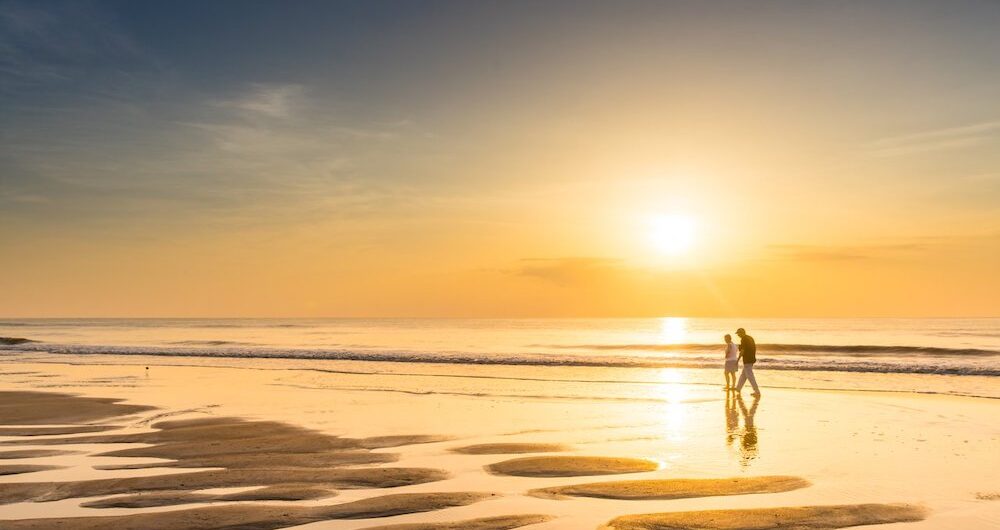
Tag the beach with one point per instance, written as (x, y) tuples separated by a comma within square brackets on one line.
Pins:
[(137, 439), (195, 442)]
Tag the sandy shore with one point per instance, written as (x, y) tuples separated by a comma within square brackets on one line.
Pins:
[(196, 447)]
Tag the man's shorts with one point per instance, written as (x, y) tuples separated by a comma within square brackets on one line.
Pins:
[(731, 366)]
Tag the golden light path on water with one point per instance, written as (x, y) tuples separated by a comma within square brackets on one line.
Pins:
[(673, 330), (675, 392), (674, 389)]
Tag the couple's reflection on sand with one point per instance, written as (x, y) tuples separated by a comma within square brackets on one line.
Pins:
[(746, 438)]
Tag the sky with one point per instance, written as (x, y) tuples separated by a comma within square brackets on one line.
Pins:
[(499, 159)]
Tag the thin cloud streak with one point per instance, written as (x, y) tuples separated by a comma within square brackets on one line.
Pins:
[(936, 140), (277, 101), (819, 253), (567, 271)]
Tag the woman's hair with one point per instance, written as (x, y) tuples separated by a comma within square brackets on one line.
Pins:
[(728, 337)]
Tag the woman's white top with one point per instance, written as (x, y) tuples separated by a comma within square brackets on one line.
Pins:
[(732, 352)]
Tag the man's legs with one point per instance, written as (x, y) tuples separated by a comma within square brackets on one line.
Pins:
[(747, 373)]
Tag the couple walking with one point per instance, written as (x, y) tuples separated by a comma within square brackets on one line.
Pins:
[(747, 351)]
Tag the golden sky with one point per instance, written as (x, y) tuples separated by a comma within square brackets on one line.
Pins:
[(516, 159)]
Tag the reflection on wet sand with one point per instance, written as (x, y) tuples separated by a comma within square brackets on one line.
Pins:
[(747, 436), (300, 474), (732, 419)]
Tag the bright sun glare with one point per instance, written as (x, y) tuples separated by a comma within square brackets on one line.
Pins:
[(672, 234)]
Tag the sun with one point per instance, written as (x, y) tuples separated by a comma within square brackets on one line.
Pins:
[(672, 234)]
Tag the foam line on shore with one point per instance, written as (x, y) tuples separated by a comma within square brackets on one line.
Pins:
[(805, 363)]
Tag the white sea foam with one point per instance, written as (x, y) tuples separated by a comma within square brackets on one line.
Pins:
[(951, 363)]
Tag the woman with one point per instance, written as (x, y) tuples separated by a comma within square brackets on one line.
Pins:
[(732, 354)]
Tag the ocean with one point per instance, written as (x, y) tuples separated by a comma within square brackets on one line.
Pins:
[(957, 347)]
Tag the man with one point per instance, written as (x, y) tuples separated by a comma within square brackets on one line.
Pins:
[(748, 352)]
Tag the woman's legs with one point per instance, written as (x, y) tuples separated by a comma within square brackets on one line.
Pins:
[(730, 376)]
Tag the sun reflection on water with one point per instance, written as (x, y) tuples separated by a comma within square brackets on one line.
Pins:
[(673, 330), (675, 392)]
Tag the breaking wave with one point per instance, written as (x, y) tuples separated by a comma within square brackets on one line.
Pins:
[(211, 343), (850, 349), (851, 358)]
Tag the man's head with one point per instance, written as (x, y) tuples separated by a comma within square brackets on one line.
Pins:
[(741, 333), (729, 338)]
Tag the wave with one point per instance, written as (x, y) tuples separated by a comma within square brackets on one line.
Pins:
[(12, 341), (211, 343), (521, 359), (849, 349), (966, 334), (861, 350), (153, 322)]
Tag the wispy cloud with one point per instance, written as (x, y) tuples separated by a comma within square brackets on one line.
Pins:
[(936, 139), (276, 101), (253, 155), (567, 271), (820, 253), (48, 44), (22, 198)]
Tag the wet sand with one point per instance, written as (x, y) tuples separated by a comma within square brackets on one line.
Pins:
[(256, 516), (800, 518), (293, 464), (486, 523), (250, 453), (510, 449), (571, 466), (279, 492), (674, 488), (46, 431), (25, 468), (36, 408), (168, 456), (32, 453)]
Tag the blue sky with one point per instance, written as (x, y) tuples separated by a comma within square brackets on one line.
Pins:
[(413, 127)]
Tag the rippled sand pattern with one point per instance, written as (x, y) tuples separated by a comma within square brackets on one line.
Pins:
[(283, 462), (571, 466), (797, 518), (674, 488)]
